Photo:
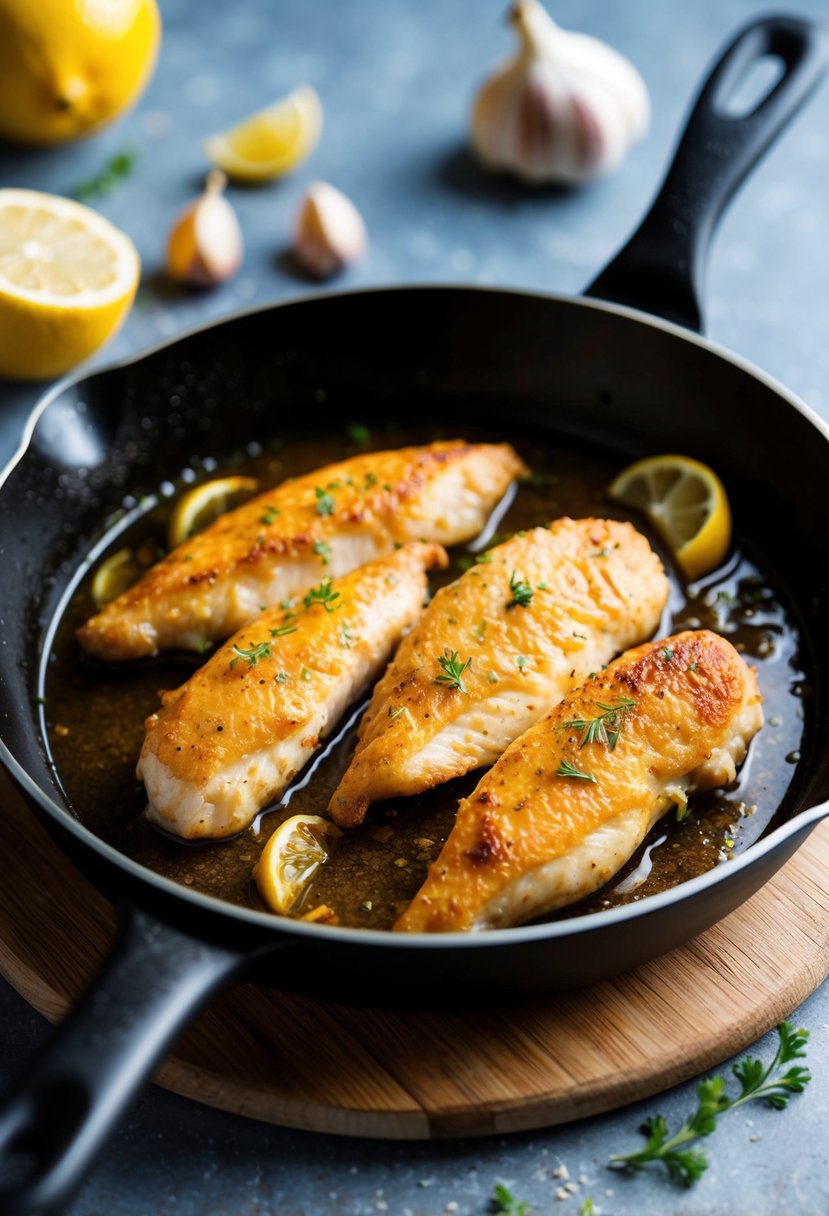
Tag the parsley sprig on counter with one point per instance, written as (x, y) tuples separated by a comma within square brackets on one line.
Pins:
[(687, 1165), (505, 1204)]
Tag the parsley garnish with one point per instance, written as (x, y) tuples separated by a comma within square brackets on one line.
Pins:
[(566, 769), (251, 654), (283, 630), (505, 1203), (323, 551), (269, 515), (325, 503), (282, 677), (667, 653), (306, 675), (694, 667), (117, 167), (687, 1165), (323, 595), (371, 480), (346, 637), (521, 591), (522, 661), (400, 709), (358, 433), (453, 669), (604, 728), (493, 677)]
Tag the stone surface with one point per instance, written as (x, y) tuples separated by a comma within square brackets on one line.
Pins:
[(396, 81)]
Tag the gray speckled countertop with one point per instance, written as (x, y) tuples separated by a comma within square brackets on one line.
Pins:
[(396, 81)]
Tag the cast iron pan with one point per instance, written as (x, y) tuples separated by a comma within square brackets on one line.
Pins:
[(581, 368)]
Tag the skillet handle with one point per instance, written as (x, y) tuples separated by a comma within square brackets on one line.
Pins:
[(70, 1101), (662, 267)]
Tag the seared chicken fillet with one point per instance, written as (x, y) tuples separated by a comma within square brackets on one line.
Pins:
[(526, 624), (282, 542), (227, 742), (569, 802)]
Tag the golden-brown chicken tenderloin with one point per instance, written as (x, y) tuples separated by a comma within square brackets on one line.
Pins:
[(569, 802)]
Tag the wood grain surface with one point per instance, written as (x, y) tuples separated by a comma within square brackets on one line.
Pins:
[(301, 1063)]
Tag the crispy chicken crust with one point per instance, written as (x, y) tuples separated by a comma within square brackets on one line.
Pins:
[(591, 588), (283, 541), (531, 839)]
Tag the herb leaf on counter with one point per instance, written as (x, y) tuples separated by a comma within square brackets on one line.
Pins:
[(505, 1203), (116, 169), (687, 1165)]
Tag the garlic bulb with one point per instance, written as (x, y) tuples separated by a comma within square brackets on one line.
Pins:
[(205, 243), (566, 109), (330, 232)]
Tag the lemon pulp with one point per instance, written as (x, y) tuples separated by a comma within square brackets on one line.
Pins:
[(687, 504)]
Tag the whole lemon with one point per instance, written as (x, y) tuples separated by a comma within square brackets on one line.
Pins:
[(69, 66)]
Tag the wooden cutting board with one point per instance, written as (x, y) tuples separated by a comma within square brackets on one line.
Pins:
[(332, 1068)]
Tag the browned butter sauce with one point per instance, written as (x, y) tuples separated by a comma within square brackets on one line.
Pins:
[(94, 715)]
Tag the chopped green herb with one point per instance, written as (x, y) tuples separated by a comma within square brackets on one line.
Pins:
[(251, 654), (367, 905), (667, 653), (203, 645), (260, 540), (358, 433), (282, 631), (323, 595), (188, 557), (453, 669), (686, 1166), (694, 667), (396, 712), (604, 728), (588, 1208), (115, 170), (391, 580), (306, 675), (371, 480), (583, 636), (346, 636), (325, 503), (286, 604), (520, 590), (504, 1203), (479, 631), (387, 487), (542, 587), (493, 677), (566, 769), (522, 661), (282, 677), (269, 515), (323, 551)]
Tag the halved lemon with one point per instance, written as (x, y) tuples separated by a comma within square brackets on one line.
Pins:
[(200, 506), (67, 280), (292, 856), (271, 142), (115, 575), (687, 504)]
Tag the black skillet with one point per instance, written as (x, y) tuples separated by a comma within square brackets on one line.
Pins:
[(511, 361)]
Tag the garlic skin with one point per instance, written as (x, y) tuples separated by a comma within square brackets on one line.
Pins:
[(567, 108), (329, 232), (205, 245)]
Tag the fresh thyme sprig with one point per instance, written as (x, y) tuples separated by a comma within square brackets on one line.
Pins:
[(251, 654), (504, 1202), (453, 669), (687, 1165), (566, 769), (116, 168), (323, 595), (606, 727), (325, 502), (521, 591)]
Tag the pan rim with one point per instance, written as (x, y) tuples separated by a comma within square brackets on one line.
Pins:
[(803, 821)]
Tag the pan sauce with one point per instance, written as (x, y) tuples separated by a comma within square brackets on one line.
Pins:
[(93, 717)]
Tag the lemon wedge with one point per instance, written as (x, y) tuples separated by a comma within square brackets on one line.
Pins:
[(67, 280), (115, 575), (687, 504), (271, 142), (200, 506), (292, 856)]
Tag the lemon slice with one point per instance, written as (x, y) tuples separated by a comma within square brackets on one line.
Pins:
[(67, 280), (115, 575), (291, 857), (205, 503), (687, 504), (270, 142)]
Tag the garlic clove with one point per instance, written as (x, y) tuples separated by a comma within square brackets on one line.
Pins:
[(566, 108), (329, 233), (205, 245)]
